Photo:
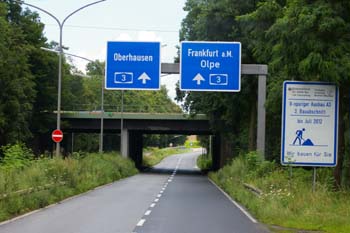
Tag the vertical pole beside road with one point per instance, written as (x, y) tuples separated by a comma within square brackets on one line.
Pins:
[(102, 114), (60, 50), (314, 181), (260, 141), (122, 146)]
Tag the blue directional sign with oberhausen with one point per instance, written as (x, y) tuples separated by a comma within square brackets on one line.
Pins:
[(210, 66), (133, 65)]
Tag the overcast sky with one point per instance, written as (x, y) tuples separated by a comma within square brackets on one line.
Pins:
[(87, 32)]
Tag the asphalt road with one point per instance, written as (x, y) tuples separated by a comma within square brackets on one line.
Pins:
[(172, 197), (189, 203)]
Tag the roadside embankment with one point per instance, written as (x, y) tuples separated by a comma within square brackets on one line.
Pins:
[(44, 181), (283, 196)]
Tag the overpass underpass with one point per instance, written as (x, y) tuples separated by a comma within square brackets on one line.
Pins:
[(135, 125)]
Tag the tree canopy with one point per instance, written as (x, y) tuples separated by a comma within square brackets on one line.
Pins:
[(28, 83), (298, 39)]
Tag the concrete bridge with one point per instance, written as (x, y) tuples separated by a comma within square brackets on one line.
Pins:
[(135, 125)]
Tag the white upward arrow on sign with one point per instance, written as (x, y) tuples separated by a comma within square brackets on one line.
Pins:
[(199, 78), (144, 77)]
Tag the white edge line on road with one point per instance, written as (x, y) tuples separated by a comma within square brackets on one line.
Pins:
[(235, 203), (141, 222)]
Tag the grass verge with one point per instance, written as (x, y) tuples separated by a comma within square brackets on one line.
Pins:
[(286, 200), (204, 162), (153, 155), (46, 181)]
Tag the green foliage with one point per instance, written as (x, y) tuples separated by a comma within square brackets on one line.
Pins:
[(192, 144), (15, 156), (298, 39), (204, 162), (163, 140), (286, 198), (46, 181)]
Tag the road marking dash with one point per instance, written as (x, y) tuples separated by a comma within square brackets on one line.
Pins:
[(156, 200), (153, 205), (148, 212), (159, 195), (141, 222)]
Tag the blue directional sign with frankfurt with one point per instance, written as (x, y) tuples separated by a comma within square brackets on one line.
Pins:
[(210, 66), (133, 66)]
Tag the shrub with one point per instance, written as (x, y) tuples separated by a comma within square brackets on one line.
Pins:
[(15, 156), (287, 198), (45, 181)]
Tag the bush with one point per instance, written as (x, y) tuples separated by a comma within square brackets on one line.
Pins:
[(15, 156), (192, 144), (287, 198), (204, 162), (45, 181)]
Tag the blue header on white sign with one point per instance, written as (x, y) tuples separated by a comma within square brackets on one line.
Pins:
[(210, 66), (133, 65)]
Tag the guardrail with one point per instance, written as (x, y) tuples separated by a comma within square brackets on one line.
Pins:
[(126, 108)]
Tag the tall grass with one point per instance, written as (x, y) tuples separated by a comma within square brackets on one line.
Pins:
[(204, 162), (45, 181), (287, 198)]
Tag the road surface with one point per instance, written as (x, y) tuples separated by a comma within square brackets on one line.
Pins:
[(172, 197)]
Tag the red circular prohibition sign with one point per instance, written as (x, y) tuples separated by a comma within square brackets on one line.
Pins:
[(57, 135)]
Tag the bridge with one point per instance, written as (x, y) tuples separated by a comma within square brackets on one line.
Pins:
[(135, 125), (132, 126)]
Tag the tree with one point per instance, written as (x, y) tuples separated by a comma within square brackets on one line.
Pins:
[(303, 40), (231, 114), (16, 81)]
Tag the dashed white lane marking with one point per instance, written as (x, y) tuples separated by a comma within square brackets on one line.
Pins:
[(148, 212), (170, 179), (141, 222), (235, 203)]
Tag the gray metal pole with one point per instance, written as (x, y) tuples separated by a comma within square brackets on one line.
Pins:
[(121, 123), (59, 88), (260, 139), (314, 180), (72, 142), (60, 24), (102, 115)]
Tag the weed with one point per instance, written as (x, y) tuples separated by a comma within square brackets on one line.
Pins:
[(286, 200)]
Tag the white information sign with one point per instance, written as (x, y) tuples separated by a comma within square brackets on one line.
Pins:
[(309, 124)]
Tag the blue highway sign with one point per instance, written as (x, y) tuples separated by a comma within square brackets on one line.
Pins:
[(133, 66), (210, 66)]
